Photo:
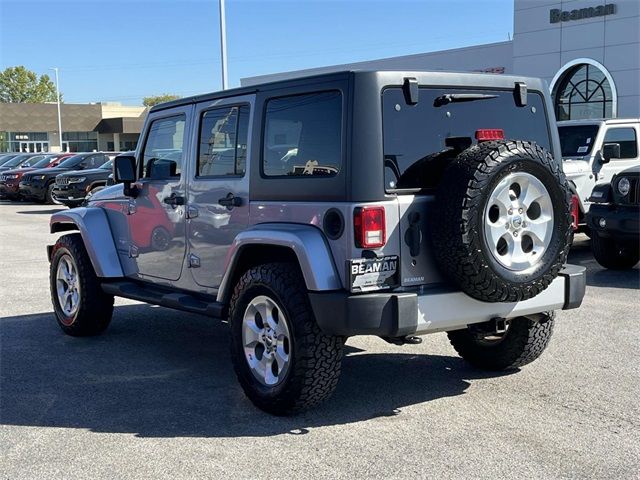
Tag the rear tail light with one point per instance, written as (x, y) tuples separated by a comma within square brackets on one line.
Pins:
[(369, 227), (488, 134), (575, 211)]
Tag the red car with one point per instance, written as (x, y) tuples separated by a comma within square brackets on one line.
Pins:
[(10, 179)]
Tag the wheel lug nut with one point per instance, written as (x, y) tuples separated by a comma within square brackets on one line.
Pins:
[(510, 211), (519, 210), (515, 234), (506, 226)]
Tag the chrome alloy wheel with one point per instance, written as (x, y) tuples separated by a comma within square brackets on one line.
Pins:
[(518, 221), (68, 285), (266, 340)]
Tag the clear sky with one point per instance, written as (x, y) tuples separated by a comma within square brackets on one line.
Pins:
[(118, 50)]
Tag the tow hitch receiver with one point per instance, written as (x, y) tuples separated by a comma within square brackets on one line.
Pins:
[(495, 325)]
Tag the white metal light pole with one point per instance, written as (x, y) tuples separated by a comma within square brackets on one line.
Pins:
[(223, 44), (58, 99)]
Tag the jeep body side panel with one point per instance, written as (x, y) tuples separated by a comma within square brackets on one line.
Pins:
[(307, 243), (212, 226), (96, 235)]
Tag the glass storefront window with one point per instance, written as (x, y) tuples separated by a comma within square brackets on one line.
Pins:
[(80, 141), (583, 91)]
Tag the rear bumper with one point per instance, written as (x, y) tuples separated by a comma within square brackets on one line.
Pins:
[(435, 310)]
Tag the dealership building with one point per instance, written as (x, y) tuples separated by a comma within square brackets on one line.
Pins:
[(588, 51), (33, 127)]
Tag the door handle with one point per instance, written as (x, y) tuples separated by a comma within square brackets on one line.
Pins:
[(174, 200), (230, 201)]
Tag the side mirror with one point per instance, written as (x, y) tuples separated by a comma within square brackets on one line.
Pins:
[(609, 151), (124, 171)]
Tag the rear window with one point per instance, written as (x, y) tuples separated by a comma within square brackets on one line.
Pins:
[(416, 136), (577, 140), (303, 135)]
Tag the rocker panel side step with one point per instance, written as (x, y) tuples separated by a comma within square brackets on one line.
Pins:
[(157, 296)]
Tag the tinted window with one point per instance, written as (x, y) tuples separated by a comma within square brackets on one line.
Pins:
[(42, 162), (303, 135), (577, 140), (17, 160), (223, 142), (418, 139), (107, 166), (626, 137), (71, 161), (94, 161), (163, 152)]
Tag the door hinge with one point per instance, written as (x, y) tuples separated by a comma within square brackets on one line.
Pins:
[(192, 211), (133, 251), (194, 261)]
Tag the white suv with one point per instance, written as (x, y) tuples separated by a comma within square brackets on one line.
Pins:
[(593, 151)]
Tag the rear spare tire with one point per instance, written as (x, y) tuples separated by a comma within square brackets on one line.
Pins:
[(501, 231)]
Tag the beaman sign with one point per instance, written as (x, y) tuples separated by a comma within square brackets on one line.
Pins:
[(556, 15)]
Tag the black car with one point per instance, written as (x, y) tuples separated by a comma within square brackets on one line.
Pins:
[(614, 219), (38, 185), (71, 188)]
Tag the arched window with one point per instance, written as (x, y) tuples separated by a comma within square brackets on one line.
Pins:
[(583, 89)]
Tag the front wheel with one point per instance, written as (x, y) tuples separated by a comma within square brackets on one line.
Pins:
[(522, 343), (612, 255), (80, 305), (49, 196), (284, 362)]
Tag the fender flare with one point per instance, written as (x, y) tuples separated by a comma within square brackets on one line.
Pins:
[(305, 241), (93, 225)]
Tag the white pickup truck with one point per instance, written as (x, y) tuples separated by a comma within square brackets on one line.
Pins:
[(593, 151)]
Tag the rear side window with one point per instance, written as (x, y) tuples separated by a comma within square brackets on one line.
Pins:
[(223, 142), (302, 135), (416, 137), (162, 156), (626, 137)]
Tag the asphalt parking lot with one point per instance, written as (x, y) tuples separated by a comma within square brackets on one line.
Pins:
[(156, 395)]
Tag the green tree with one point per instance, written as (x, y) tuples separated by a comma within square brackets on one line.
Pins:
[(156, 99), (19, 85)]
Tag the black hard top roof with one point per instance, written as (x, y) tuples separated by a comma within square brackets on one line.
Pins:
[(484, 79)]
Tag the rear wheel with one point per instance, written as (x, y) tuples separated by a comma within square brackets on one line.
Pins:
[(284, 362), (80, 305), (613, 255), (522, 343)]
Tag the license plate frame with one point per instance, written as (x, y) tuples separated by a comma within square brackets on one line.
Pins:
[(368, 274)]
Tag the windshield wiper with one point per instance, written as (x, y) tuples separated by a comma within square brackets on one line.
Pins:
[(460, 97)]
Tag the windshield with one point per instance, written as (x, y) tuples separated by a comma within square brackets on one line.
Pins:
[(107, 166), (421, 140), (43, 162), (18, 160), (577, 140), (5, 159), (33, 160), (71, 161)]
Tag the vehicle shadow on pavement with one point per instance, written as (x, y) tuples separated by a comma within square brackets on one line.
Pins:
[(158, 373), (598, 276)]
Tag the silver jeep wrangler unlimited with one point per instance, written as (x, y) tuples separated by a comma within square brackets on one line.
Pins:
[(306, 211)]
